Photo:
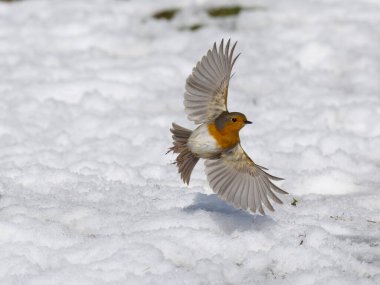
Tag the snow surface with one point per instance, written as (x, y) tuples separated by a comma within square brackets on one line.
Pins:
[(88, 90)]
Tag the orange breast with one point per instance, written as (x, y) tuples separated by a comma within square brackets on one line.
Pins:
[(226, 138)]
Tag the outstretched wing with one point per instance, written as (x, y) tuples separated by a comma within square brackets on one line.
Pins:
[(237, 179), (207, 86)]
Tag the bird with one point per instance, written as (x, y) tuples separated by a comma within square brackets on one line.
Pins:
[(231, 173)]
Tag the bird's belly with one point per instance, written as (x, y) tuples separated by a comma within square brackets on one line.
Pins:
[(202, 143)]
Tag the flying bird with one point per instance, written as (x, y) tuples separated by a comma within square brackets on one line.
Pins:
[(231, 173)]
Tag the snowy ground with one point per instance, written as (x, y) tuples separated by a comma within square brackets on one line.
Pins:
[(88, 90)]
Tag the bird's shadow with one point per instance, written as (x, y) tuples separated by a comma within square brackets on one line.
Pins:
[(228, 218)]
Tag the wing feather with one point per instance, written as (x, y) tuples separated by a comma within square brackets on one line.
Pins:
[(264, 194), (228, 188), (257, 201), (244, 195), (238, 180), (251, 196), (207, 87)]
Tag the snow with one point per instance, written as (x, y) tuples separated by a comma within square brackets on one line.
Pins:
[(88, 90)]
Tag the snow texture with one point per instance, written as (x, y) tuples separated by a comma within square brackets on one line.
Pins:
[(88, 90)]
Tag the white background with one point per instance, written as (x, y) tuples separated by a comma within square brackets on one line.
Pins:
[(88, 91)]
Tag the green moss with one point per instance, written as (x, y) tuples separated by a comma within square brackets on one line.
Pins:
[(192, 28), (224, 11), (195, 27), (167, 14), (294, 202)]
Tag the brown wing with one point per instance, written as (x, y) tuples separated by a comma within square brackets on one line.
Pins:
[(238, 180), (207, 86)]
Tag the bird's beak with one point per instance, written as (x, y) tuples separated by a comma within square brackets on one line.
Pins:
[(247, 122)]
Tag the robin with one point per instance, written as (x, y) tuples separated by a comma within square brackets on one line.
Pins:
[(232, 175)]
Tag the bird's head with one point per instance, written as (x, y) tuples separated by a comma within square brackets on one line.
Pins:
[(231, 121)]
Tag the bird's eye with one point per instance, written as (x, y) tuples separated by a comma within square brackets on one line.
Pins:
[(234, 119)]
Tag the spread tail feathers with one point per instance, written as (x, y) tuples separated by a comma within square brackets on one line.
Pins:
[(185, 160)]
